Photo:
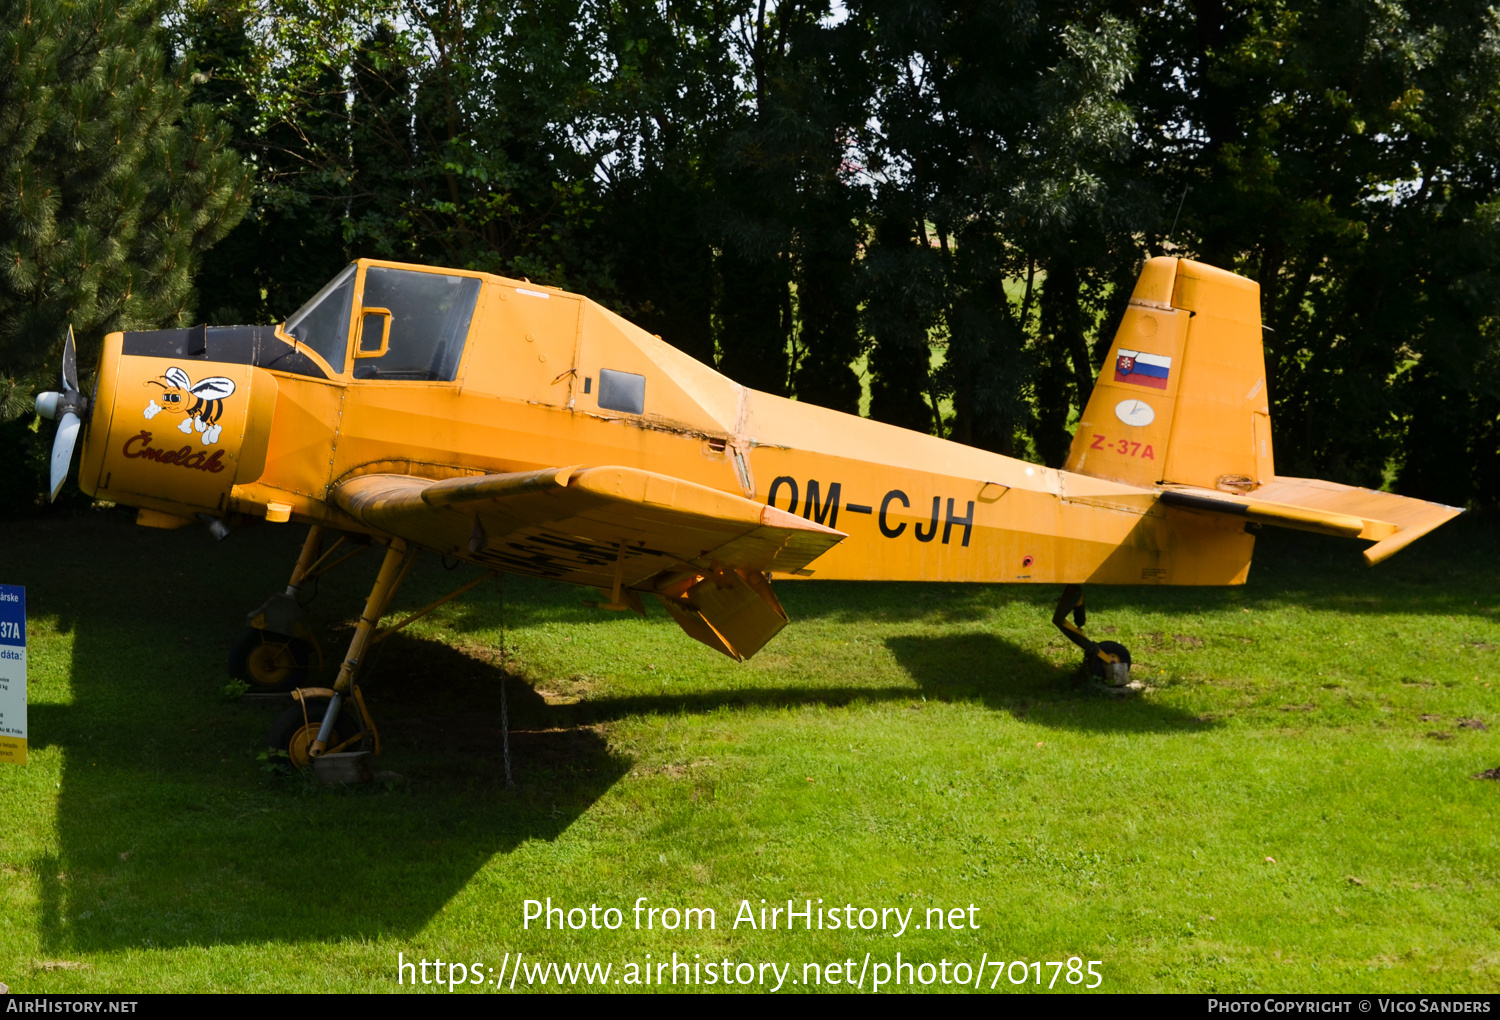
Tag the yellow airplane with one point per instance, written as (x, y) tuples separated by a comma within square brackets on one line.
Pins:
[(532, 431)]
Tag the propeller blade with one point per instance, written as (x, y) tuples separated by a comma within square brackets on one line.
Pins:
[(70, 364), (62, 451)]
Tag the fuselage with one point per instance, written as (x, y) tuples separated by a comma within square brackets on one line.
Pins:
[(537, 378)]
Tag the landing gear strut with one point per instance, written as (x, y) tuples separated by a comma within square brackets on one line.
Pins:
[(328, 720), (1107, 660), (311, 728), (277, 647)]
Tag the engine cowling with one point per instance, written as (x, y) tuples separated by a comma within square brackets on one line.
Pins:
[(174, 434)]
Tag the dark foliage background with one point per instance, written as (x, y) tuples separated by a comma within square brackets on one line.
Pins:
[(930, 213)]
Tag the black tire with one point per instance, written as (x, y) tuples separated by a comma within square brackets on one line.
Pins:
[(1096, 664), (269, 662), (291, 735)]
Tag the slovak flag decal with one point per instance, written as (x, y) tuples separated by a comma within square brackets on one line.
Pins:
[(1143, 369)]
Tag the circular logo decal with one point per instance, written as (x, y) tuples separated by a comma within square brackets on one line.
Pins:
[(1135, 412)]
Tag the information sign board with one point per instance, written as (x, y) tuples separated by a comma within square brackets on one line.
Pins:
[(12, 674)]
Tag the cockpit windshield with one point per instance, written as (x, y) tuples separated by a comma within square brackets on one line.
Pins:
[(323, 323)]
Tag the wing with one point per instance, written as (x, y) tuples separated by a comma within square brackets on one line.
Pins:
[(1310, 504), (702, 551)]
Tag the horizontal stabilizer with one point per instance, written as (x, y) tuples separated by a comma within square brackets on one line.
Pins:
[(1327, 508)]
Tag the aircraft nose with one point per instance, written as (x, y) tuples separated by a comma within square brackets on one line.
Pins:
[(46, 404)]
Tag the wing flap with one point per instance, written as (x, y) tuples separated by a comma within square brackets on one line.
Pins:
[(518, 483)]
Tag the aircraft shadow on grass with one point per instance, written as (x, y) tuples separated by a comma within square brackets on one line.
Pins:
[(171, 837), (167, 836), (1001, 675)]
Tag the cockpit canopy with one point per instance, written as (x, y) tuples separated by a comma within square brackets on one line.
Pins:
[(411, 325)]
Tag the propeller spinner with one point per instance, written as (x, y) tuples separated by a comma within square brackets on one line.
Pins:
[(70, 407)]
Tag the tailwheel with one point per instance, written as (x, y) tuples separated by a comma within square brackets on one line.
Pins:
[(1116, 673), (1107, 660), (294, 731), (269, 662)]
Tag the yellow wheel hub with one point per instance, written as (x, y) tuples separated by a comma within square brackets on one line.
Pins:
[(270, 663), (302, 741)]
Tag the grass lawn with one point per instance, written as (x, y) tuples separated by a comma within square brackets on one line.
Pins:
[(1287, 806)]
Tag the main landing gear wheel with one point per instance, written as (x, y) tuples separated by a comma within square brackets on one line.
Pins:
[(270, 663), (293, 734)]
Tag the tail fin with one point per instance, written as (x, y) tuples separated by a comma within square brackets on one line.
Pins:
[(1181, 404), (1181, 398)]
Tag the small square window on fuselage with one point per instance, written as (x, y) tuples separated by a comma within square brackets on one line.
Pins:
[(622, 391)]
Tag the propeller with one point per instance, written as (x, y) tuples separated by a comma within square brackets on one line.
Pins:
[(70, 407)]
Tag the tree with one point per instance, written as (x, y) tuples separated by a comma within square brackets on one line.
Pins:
[(1343, 154), (782, 187), (111, 189), (995, 125)]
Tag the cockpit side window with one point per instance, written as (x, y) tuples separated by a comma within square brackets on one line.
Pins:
[(429, 315), (323, 323)]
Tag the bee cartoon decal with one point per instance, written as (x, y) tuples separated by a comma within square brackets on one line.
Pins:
[(202, 402)]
